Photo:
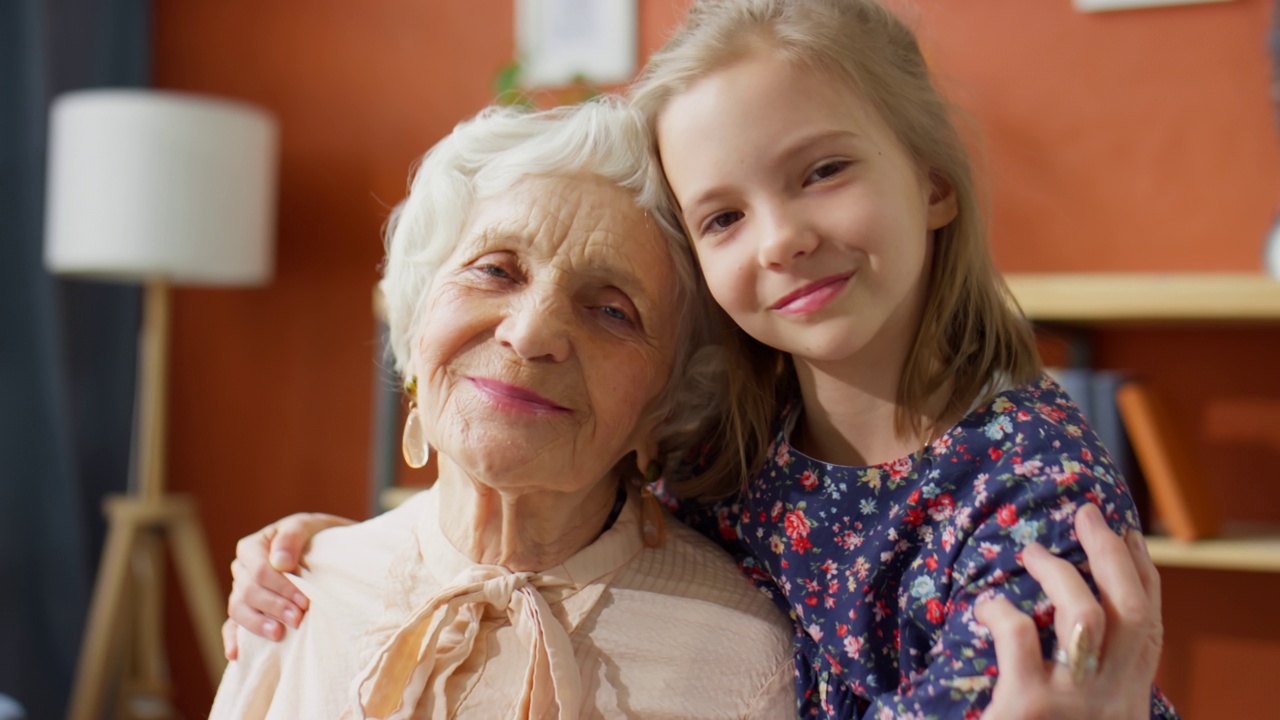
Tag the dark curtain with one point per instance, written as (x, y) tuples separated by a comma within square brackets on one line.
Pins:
[(67, 352)]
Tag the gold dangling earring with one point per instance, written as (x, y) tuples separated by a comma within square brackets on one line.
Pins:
[(415, 449)]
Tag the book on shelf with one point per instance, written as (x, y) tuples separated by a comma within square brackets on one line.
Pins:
[(1164, 449)]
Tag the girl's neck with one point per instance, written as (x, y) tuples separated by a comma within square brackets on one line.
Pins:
[(850, 413), (523, 530)]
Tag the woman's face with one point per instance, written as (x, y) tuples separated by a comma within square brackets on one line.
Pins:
[(546, 335)]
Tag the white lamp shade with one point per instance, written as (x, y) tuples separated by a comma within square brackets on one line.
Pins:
[(145, 184)]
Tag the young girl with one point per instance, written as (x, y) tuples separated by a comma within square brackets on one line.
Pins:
[(915, 448), (907, 451)]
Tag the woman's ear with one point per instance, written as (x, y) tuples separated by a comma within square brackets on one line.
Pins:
[(943, 206), (646, 447), (646, 455)]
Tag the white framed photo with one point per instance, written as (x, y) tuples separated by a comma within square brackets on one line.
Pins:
[(1103, 5), (561, 41)]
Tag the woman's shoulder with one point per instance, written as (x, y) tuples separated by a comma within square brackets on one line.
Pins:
[(688, 571), (380, 529), (687, 600), (362, 555)]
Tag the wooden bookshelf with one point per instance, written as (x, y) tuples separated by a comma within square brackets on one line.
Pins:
[(1099, 298), (1090, 299), (1246, 548), (394, 496)]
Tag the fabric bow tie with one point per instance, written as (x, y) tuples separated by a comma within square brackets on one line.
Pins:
[(413, 666)]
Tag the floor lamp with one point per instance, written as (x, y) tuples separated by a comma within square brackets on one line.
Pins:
[(157, 188)]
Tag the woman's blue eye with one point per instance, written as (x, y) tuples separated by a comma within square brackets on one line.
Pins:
[(615, 313), (495, 271)]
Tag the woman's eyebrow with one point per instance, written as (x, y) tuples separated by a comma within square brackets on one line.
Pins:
[(606, 275), (495, 236)]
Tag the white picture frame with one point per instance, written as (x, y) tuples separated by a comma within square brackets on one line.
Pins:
[(561, 41), (1107, 5)]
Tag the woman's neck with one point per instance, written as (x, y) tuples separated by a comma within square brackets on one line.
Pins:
[(522, 530)]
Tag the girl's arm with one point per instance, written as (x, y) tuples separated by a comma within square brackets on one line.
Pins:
[(993, 562), (262, 598), (1125, 624)]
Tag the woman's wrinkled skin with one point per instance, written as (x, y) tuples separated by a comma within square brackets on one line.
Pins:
[(544, 338)]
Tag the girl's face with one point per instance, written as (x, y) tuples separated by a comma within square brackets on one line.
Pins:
[(812, 223)]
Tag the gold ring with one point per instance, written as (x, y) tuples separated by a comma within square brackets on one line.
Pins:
[(1080, 655)]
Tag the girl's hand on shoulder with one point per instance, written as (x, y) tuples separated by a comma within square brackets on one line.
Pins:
[(1109, 649), (262, 599)]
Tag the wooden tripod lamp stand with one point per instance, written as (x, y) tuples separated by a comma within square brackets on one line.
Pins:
[(158, 188)]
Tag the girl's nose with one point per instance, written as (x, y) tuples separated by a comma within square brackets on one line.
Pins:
[(786, 240), (536, 329)]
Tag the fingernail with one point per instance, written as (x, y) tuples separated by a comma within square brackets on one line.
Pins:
[(301, 601), (280, 559), (291, 617), (271, 628)]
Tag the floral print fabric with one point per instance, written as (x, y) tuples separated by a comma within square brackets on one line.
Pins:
[(880, 566)]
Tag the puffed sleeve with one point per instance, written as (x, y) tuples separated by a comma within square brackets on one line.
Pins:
[(1030, 496)]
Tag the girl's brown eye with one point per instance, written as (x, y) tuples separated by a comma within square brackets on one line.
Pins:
[(722, 221), (828, 169)]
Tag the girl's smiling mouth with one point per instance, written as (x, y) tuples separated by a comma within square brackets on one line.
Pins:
[(814, 296)]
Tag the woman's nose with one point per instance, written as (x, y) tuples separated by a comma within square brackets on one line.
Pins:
[(536, 329), (787, 238)]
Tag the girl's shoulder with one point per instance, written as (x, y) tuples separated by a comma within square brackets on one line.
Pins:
[(1030, 444), (1029, 431), (1038, 412)]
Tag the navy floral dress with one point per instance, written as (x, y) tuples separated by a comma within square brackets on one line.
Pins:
[(879, 567)]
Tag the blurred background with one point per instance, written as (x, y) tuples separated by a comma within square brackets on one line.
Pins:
[(1142, 140)]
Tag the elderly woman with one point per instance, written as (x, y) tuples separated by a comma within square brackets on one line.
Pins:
[(546, 326)]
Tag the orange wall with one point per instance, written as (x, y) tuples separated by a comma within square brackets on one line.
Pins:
[(1129, 141)]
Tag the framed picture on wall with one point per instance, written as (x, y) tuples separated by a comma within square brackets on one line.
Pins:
[(1101, 5), (559, 42)]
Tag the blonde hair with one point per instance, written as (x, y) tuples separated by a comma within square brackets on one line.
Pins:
[(484, 157), (971, 331)]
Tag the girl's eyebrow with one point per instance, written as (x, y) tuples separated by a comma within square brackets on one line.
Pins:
[(785, 152), (800, 144)]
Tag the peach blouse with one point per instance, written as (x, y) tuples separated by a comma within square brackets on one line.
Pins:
[(402, 625)]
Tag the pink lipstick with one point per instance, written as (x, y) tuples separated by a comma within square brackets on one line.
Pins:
[(514, 398)]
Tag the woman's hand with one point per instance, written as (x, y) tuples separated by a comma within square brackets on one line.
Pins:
[(261, 596), (1125, 625)]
